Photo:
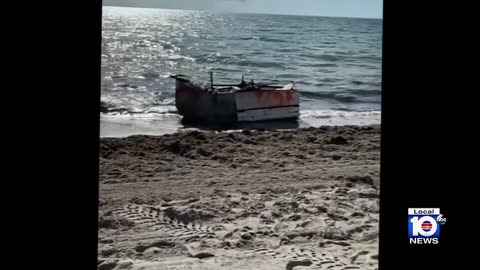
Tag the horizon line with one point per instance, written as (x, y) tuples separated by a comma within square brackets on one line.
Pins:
[(230, 12)]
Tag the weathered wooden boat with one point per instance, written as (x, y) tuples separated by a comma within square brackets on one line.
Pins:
[(228, 103)]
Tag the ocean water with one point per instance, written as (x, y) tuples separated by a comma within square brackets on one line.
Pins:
[(334, 62)]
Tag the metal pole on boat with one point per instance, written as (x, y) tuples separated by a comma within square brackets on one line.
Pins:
[(211, 80)]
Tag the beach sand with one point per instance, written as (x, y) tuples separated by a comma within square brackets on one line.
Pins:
[(260, 199)]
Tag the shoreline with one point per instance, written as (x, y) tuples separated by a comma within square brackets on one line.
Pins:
[(156, 125)]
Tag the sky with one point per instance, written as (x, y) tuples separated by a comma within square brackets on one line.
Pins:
[(331, 8)]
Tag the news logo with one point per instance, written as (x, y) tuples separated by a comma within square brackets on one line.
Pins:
[(424, 225)]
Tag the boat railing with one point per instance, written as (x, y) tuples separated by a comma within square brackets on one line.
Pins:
[(243, 86)]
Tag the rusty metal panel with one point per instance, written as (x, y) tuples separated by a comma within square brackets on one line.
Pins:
[(265, 99), (268, 114), (198, 105), (216, 108)]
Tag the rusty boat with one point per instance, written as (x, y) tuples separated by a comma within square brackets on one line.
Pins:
[(233, 103)]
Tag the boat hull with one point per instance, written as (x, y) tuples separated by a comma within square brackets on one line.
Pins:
[(266, 105), (197, 105)]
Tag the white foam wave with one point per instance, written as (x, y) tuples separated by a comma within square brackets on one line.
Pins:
[(333, 117)]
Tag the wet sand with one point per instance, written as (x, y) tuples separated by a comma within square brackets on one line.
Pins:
[(301, 199)]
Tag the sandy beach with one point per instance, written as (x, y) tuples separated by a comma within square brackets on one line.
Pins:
[(260, 199)]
